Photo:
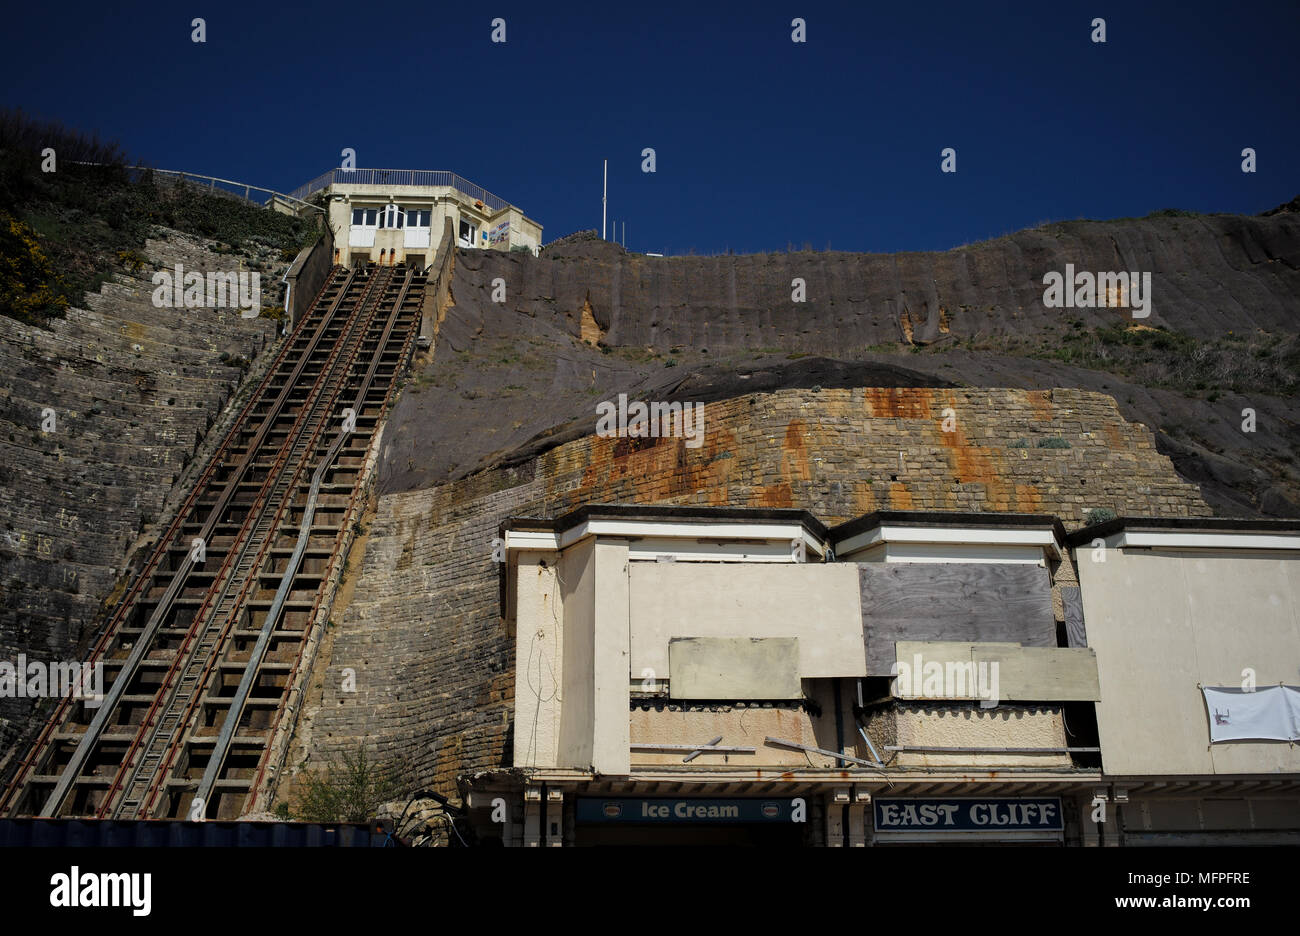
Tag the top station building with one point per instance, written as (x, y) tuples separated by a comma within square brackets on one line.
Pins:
[(391, 216)]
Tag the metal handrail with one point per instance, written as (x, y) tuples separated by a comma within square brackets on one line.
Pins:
[(436, 177), (212, 183), (248, 189)]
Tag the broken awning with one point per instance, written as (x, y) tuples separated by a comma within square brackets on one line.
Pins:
[(1271, 713)]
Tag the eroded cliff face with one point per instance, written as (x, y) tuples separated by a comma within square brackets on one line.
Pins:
[(101, 414), (586, 321), (1211, 273), (434, 666)]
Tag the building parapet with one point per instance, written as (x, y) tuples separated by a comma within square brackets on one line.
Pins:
[(401, 177), (1192, 533)]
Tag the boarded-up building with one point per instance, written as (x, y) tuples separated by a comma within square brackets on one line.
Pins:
[(751, 676)]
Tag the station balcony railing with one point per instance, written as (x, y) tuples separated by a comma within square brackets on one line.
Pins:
[(385, 177)]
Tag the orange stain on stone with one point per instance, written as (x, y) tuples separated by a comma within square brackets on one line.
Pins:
[(974, 464), (599, 455), (898, 402), (864, 499), (900, 498), (796, 463), (1040, 401), (775, 495), (1028, 499)]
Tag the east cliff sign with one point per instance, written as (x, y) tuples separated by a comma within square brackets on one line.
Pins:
[(958, 814)]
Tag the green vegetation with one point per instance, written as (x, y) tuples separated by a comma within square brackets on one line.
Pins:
[(29, 287), (1157, 357), (90, 221), (350, 792), (635, 354), (1261, 362), (133, 260), (1099, 515)]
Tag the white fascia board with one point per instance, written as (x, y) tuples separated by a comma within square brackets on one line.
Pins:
[(531, 539), (670, 530), (689, 551), (859, 542), (815, 546), (1225, 540), (782, 533), (964, 552), (954, 536)]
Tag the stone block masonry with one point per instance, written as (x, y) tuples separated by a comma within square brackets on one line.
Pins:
[(134, 391), (434, 665)]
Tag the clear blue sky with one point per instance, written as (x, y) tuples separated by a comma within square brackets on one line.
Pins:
[(760, 142)]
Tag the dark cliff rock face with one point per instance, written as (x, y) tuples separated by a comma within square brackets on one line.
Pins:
[(1210, 274), (586, 321), (133, 391)]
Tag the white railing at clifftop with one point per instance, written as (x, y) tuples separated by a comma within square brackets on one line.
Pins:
[(227, 185)]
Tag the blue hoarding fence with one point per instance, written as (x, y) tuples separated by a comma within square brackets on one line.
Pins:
[(91, 833)]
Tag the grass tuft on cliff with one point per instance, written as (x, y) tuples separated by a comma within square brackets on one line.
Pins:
[(63, 233)]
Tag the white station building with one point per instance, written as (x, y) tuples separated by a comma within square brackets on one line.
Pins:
[(392, 216)]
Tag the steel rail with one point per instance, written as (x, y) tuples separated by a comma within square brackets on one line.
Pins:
[(236, 710), (362, 323), (90, 737), (403, 355), (217, 593), (58, 717)]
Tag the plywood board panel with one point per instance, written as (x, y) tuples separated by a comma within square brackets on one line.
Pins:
[(815, 602), (957, 602), (1023, 674), (734, 668), (1075, 633)]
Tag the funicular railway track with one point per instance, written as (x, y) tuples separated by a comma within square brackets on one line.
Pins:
[(200, 654)]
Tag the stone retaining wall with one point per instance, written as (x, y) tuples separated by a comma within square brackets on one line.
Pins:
[(434, 665)]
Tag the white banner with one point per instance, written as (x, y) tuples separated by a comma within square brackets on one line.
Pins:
[(1270, 713)]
